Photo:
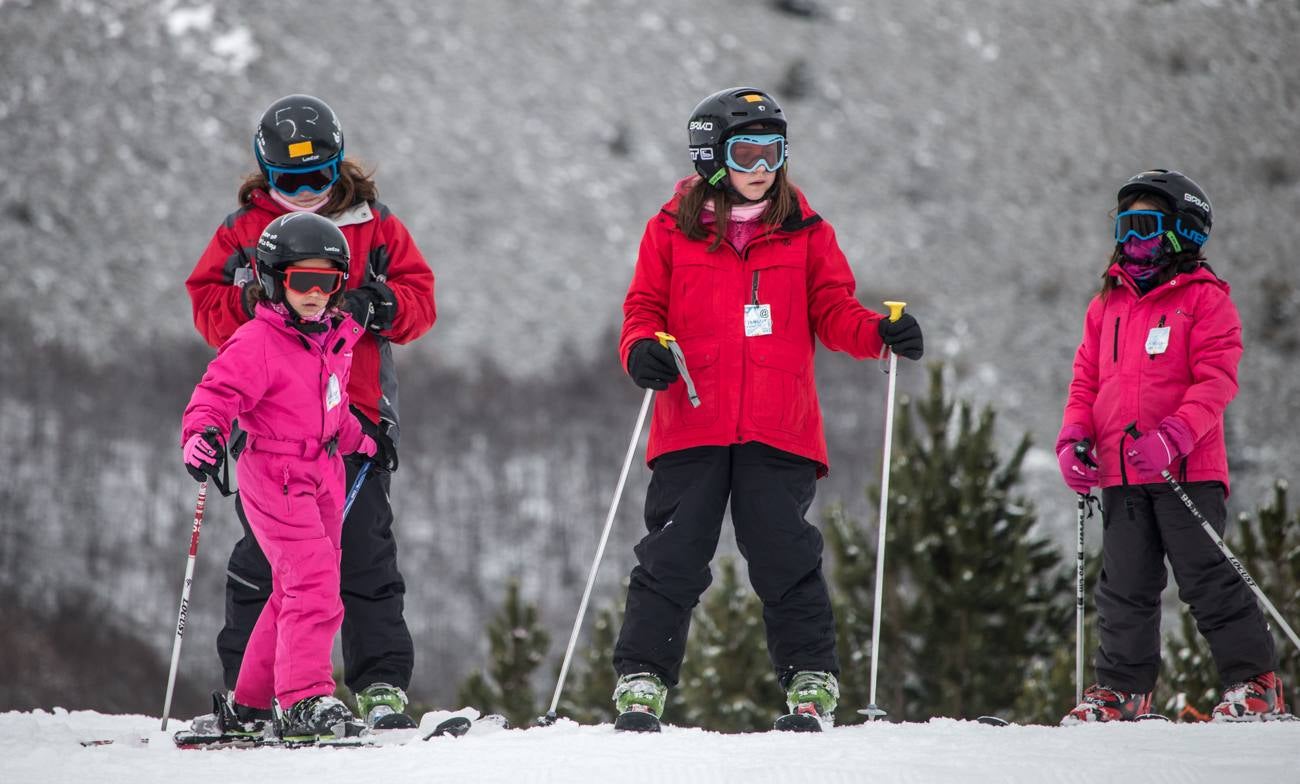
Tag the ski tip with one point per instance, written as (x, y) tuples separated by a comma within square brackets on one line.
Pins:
[(1152, 717), (454, 727), (637, 721), (993, 721), (798, 722)]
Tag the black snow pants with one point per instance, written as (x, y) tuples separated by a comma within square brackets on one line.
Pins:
[(770, 492), (1142, 525), (377, 646)]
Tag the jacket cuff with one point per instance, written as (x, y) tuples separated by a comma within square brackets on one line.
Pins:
[(1071, 433)]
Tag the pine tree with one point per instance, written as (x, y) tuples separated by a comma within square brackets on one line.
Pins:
[(973, 597), (727, 683), (517, 645), (1269, 548), (588, 697)]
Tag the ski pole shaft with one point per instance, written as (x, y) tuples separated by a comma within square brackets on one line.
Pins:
[(356, 488), (873, 709), (1078, 604), (185, 600), (1223, 547), (600, 551)]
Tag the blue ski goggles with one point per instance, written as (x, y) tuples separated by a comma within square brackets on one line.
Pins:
[(315, 179), (1142, 224), (746, 152)]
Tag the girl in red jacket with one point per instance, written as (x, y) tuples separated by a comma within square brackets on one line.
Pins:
[(744, 274), (1161, 342), (285, 375), (299, 149)]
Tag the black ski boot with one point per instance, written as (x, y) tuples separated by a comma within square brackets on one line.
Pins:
[(321, 718), (229, 722)]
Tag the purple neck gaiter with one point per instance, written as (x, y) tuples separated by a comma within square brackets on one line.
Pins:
[(1139, 262)]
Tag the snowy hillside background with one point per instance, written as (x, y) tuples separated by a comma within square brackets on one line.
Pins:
[(967, 155)]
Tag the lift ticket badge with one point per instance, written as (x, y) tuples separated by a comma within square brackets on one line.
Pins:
[(333, 394), (1157, 340), (758, 320)]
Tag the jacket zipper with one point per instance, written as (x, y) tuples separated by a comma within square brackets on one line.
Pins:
[(1115, 348)]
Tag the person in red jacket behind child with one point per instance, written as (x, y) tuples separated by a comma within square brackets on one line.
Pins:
[(298, 146), (1161, 342), (744, 274)]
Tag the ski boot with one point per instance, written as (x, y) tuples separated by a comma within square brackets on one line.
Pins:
[(1103, 703), (383, 707), (228, 723), (314, 719), (639, 698), (811, 697), (1257, 699)]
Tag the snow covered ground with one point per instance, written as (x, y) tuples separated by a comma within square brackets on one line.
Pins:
[(45, 747)]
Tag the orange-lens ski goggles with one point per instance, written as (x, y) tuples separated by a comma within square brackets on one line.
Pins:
[(305, 280)]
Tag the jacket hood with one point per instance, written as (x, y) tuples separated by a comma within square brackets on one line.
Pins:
[(1202, 274)]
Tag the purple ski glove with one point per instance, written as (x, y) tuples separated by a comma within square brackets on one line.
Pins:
[(1154, 451), (198, 452), (1079, 474)]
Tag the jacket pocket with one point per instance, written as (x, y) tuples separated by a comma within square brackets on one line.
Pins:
[(692, 299), (673, 405), (782, 284), (780, 390)]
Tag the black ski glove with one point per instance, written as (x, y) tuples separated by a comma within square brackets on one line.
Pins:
[(385, 458), (902, 336), (650, 365), (373, 305)]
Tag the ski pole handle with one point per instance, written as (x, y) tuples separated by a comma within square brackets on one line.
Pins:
[(669, 342), (895, 309), (1083, 451)]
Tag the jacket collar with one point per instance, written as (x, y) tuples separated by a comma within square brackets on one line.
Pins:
[(343, 332), (800, 218), (1202, 274), (360, 212)]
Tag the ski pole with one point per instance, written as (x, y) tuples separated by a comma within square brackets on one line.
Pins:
[(873, 710), (185, 600), (1223, 547), (1081, 451), (669, 342), (356, 488)]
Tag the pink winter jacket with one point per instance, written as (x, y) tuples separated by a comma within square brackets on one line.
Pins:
[(277, 382), (1118, 380)]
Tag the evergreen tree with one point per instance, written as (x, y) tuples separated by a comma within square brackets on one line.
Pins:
[(1269, 548), (727, 683), (517, 644), (588, 696), (973, 598)]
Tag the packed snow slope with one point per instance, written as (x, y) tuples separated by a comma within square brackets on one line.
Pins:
[(45, 747)]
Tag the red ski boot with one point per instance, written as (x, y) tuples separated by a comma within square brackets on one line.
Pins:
[(1103, 703), (1258, 699)]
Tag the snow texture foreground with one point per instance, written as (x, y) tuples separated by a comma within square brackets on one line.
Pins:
[(45, 747)]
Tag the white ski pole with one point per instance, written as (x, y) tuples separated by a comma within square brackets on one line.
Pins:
[(669, 342), (1223, 547), (185, 600), (873, 710)]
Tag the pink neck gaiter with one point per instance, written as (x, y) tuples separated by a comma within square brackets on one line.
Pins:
[(314, 206)]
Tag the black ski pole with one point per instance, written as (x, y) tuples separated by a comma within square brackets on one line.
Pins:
[(1218, 540)]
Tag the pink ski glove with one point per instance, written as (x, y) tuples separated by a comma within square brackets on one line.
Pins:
[(198, 453), (1156, 449), (1079, 474), (367, 446)]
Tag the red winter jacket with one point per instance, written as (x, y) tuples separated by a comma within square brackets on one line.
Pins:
[(381, 249), (1117, 381), (757, 388)]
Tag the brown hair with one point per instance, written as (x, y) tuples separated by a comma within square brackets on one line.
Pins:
[(353, 186), (782, 201), (1175, 264)]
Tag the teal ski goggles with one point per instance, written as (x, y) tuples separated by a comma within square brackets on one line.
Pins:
[(291, 182), (1142, 224), (746, 152)]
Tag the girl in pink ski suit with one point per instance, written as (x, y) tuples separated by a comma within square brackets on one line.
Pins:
[(286, 378)]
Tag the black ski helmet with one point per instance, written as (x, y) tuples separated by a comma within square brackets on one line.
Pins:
[(719, 117), (293, 237), (298, 131), (1192, 213)]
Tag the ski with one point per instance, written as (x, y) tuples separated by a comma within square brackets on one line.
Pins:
[(637, 721), (998, 721), (798, 722)]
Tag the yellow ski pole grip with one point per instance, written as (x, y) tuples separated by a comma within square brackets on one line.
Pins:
[(669, 342), (895, 309)]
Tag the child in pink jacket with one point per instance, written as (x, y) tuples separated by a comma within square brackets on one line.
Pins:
[(285, 376), (1161, 343)]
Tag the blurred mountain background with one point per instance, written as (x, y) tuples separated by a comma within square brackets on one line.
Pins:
[(967, 154)]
